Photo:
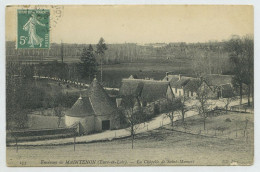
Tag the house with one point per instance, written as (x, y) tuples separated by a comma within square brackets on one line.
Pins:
[(147, 90), (177, 83), (191, 87), (221, 85), (218, 85), (131, 86), (156, 90), (93, 112)]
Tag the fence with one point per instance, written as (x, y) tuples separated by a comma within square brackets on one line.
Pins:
[(42, 134), (241, 108), (75, 83), (238, 132)]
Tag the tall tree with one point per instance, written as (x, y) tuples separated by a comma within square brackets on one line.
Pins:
[(173, 106), (183, 106), (249, 53), (133, 114), (88, 65), (203, 105), (59, 113), (101, 48), (241, 56), (61, 52)]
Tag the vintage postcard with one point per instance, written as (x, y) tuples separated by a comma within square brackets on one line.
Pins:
[(129, 85)]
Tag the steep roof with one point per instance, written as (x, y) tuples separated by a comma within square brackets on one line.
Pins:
[(154, 90), (131, 87), (96, 102), (180, 83), (217, 80), (148, 90), (193, 85), (100, 101), (81, 108)]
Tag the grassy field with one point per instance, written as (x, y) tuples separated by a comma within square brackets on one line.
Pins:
[(113, 74), (228, 125), (157, 147)]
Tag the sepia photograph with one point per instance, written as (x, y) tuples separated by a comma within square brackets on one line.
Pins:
[(129, 85)]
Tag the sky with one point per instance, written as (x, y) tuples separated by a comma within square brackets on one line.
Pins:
[(142, 24)]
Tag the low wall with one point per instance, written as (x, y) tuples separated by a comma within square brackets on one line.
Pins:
[(41, 134), (44, 122)]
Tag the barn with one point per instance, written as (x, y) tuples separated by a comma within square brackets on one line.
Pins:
[(147, 90), (156, 90), (94, 112)]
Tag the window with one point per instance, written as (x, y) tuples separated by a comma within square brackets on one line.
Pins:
[(106, 125)]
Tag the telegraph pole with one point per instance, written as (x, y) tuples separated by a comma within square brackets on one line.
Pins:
[(61, 53)]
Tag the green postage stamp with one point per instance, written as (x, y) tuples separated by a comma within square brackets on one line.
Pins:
[(33, 28)]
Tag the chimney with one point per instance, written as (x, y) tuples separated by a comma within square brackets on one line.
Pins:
[(118, 102), (167, 79), (95, 78), (179, 76), (131, 77)]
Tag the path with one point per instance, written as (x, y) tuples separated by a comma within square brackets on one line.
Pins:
[(155, 123), (71, 82)]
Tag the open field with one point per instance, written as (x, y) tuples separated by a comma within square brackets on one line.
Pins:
[(231, 125), (157, 147), (113, 74)]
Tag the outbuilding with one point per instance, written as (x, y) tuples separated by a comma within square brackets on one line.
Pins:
[(94, 112)]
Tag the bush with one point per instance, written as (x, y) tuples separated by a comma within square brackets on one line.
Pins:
[(156, 109), (228, 120)]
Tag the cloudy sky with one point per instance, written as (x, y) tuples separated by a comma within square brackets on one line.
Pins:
[(143, 24)]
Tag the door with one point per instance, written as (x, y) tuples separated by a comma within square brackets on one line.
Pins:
[(106, 125)]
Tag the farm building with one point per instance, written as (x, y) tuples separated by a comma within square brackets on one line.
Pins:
[(94, 112), (156, 90), (131, 87), (226, 91), (219, 85), (177, 83), (191, 87), (146, 90)]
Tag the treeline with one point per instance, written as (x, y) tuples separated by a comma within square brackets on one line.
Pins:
[(210, 58), (121, 53), (241, 56)]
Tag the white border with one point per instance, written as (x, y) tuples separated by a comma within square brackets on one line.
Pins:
[(255, 167)]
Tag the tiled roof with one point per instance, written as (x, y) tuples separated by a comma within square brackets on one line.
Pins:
[(96, 102), (193, 85), (180, 83), (131, 87), (148, 90), (154, 90), (100, 101), (81, 108)]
